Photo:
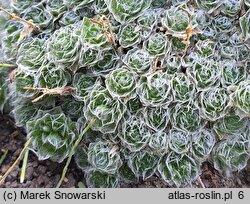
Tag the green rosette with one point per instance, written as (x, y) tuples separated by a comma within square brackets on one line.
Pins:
[(176, 20), (154, 89), (202, 144), (135, 134), (107, 111), (213, 103), (24, 79), (183, 88), (143, 164), (159, 143), (180, 141), (231, 8), (232, 74), (53, 76), (205, 74), (97, 179), (39, 16), (127, 10), (129, 35), (230, 124), (186, 117), (210, 5), (92, 34), (108, 62), (244, 24), (241, 97), (156, 118), (31, 54), (63, 47), (104, 156), (83, 84), (121, 83), (53, 136), (178, 169), (231, 154), (9, 40), (156, 44), (138, 60)]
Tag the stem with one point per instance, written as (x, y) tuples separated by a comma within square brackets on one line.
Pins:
[(200, 182), (73, 151), (15, 17), (8, 65), (24, 166), (5, 152), (2, 178)]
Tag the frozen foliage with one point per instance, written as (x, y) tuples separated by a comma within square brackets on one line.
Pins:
[(165, 85)]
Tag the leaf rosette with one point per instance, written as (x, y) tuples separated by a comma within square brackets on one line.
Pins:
[(9, 40), (138, 60), (205, 74), (183, 88), (104, 156), (69, 18), (83, 84), (127, 10), (178, 169), (202, 143), (135, 134), (97, 179), (230, 124), (210, 5), (206, 48), (92, 34), (77, 4), (108, 62), (231, 8), (213, 103), (244, 24), (31, 54), (154, 89), (24, 79), (89, 56), (232, 74), (156, 44), (129, 35), (39, 16), (223, 24), (186, 117), (72, 108), (143, 164), (53, 136), (159, 142), (177, 19), (231, 154), (56, 8), (241, 97), (179, 141), (121, 83), (53, 76), (107, 111), (156, 118), (147, 22), (63, 46)]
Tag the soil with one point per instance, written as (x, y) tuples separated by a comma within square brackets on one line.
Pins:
[(40, 174)]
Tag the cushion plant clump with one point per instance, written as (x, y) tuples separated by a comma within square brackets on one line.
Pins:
[(131, 88)]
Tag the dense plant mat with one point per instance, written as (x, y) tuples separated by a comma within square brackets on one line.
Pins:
[(133, 89)]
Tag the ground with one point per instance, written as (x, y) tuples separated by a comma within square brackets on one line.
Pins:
[(47, 174)]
